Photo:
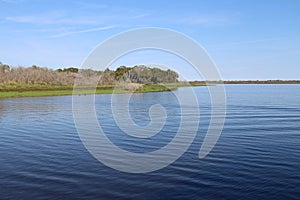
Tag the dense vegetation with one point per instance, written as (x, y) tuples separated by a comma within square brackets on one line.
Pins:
[(41, 81), (34, 76), (39, 77)]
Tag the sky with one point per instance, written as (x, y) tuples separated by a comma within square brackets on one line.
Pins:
[(247, 40)]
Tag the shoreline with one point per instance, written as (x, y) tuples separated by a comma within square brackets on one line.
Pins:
[(67, 91), (228, 82)]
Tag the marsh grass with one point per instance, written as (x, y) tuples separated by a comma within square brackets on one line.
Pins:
[(13, 91)]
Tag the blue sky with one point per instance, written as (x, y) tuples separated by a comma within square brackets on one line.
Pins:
[(246, 39)]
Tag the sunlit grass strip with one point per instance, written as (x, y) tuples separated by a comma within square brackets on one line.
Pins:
[(49, 90), (11, 94), (37, 92)]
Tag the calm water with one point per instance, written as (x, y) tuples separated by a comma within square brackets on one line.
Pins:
[(256, 157)]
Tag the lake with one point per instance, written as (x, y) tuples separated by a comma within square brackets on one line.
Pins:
[(256, 157)]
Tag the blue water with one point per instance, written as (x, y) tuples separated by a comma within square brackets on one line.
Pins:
[(256, 157)]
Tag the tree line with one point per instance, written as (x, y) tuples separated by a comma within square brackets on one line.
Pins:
[(139, 74)]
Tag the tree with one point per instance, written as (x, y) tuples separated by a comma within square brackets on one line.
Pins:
[(71, 69), (107, 78), (121, 71), (4, 68)]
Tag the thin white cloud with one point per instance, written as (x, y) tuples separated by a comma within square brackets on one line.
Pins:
[(258, 41), (89, 5), (40, 30), (214, 19), (21, 19), (53, 18), (11, 1), (83, 31), (62, 17), (141, 16), (205, 20), (45, 18)]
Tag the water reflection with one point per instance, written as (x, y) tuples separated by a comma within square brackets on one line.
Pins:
[(39, 109), (257, 156), (1, 113)]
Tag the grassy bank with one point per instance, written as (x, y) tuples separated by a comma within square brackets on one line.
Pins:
[(33, 90), (7, 91), (11, 94)]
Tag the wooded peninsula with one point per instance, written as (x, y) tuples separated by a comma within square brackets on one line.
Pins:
[(41, 81)]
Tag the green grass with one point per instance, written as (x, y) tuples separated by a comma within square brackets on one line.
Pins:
[(13, 94), (14, 91), (157, 88), (8, 94), (31, 90), (32, 87)]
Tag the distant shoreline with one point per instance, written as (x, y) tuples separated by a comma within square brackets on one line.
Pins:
[(247, 82)]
